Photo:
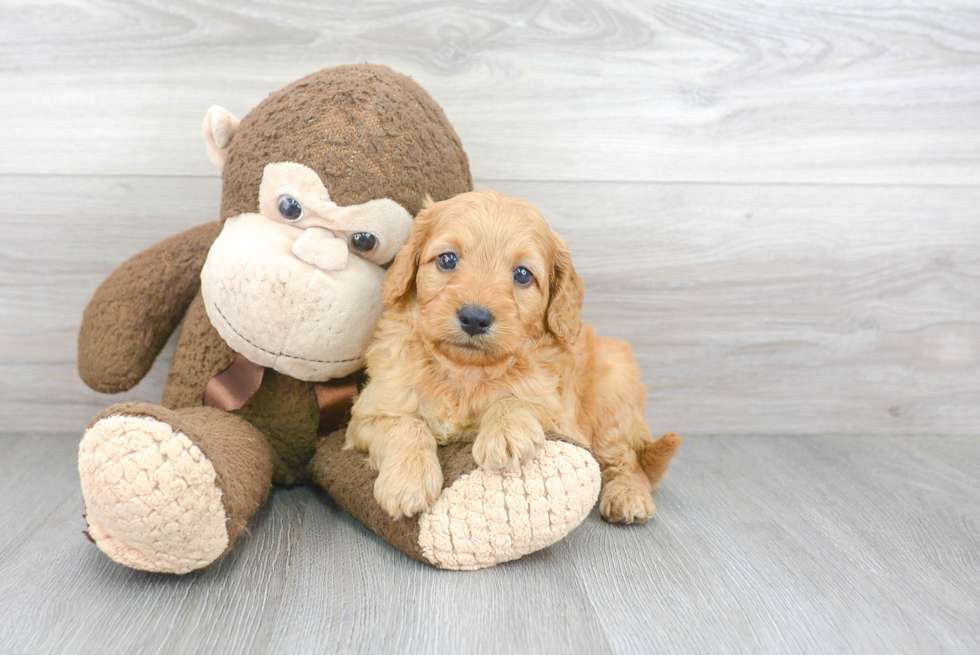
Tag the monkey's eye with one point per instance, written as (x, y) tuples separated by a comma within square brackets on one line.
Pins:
[(290, 209), (447, 261), (363, 242), (523, 276)]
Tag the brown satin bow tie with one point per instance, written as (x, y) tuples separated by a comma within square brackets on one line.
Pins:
[(233, 387)]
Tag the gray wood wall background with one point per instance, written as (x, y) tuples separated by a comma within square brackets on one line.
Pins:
[(778, 205)]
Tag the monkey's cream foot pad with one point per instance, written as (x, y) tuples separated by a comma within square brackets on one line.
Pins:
[(488, 517), (151, 498)]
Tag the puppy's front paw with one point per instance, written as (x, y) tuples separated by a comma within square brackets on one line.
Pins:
[(409, 484), (508, 441), (625, 503)]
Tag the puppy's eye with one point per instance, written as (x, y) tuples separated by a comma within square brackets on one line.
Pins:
[(363, 242), (290, 209), (523, 276), (447, 261)]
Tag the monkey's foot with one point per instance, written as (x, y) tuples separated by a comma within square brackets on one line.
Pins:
[(151, 497), (488, 517), (482, 517)]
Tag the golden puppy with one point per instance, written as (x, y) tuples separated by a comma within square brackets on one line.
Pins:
[(482, 341)]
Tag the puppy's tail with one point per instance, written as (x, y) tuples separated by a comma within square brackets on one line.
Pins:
[(656, 458)]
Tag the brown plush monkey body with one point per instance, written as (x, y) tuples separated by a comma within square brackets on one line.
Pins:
[(277, 300), (368, 133)]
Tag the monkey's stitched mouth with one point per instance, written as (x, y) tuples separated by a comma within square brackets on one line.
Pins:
[(280, 354)]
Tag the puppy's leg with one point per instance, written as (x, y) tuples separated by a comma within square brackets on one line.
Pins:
[(509, 435), (629, 477), (631, 462), (403, 451), (625, 495)]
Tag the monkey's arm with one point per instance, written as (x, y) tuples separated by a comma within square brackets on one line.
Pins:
[(136, 309)]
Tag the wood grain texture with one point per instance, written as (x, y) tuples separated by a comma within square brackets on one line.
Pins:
[(37, 476), (777, 204), (876, 91), (784, 309), (761, 544)]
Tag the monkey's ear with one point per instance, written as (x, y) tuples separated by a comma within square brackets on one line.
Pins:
[(564, 318), (400, 278), (219, 126)]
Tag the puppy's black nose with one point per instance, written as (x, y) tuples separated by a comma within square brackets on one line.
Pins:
[(475, 320)]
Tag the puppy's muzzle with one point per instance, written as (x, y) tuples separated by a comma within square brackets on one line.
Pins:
[(475, 320)]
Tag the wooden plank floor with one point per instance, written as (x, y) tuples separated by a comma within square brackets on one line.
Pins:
[(761, 544)]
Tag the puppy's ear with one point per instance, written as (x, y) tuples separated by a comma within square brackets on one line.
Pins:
[(564, 316), (400, 278)]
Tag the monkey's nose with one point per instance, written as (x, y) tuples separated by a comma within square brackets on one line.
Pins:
[(475, 320), (318, 246)]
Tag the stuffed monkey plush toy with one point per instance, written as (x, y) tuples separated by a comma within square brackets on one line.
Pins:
[(277, 302)]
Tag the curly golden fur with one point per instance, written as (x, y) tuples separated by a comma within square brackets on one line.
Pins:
[(531, 370)]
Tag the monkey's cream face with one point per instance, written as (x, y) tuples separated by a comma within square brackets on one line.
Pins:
[(297, 287)]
